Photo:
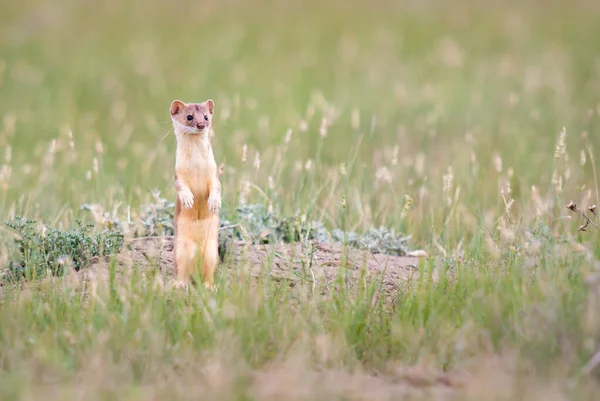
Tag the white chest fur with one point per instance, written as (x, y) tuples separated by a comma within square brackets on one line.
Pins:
[(194, 162)]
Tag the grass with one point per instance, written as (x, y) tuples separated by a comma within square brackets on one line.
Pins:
[(468, 126)]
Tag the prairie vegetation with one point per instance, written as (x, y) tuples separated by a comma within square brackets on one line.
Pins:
[(350, 134)]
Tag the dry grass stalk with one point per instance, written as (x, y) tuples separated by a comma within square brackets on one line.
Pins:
[(572, 206)]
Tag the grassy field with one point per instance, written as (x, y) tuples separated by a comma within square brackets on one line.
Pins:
[(467, 126)]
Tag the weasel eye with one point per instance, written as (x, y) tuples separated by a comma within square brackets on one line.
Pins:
[(190, 117), (205, 118)]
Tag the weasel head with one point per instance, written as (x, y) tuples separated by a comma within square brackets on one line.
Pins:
[(192, 118)]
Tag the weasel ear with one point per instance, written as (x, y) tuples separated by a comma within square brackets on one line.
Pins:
[(176, 107), (210, 105)]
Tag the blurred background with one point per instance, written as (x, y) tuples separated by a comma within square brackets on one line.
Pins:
[(388, 106)]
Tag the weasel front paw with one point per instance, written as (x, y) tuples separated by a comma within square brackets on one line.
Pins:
[(187, 198), (214, 203)]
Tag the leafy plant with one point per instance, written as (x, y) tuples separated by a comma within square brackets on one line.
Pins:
[(43, 248), (376, 240)]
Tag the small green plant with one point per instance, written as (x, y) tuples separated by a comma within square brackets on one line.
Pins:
[(43, 248), (265, 227), (376, 240)]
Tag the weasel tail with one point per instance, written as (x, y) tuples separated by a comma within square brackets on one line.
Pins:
[(198, 188)]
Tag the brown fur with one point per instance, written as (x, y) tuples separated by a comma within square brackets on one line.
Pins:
[(198, 190)]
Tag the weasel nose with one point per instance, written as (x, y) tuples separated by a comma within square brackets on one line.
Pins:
[(200, 125)]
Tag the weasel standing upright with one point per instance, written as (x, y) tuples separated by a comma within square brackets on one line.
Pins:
[(198, 188)]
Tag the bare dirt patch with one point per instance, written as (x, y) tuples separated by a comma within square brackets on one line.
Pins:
[(319, 262)]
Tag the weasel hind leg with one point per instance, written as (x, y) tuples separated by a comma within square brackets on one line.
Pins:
[(186, 255), (209, 263)]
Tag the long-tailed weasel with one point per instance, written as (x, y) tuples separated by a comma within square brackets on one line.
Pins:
[(196, 222)]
